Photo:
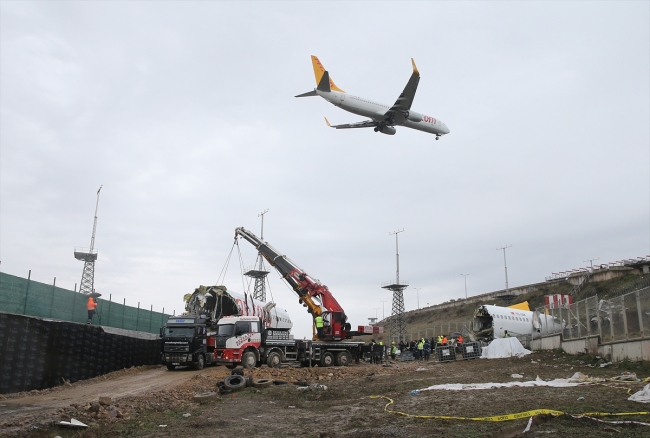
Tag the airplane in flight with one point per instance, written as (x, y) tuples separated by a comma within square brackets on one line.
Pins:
[(491, 321), (383, 118)]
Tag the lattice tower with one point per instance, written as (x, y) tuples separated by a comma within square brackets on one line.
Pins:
[(88, 256)]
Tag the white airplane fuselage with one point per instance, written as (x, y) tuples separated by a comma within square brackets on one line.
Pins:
[(492, 321), (376, 111)]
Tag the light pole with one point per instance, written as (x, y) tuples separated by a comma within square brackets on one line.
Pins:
[(465, 275), (592, 262), (383, 312), (505, 264), (376, 309), (417, 291)]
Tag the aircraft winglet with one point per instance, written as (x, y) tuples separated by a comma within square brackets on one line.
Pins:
[(415, 69)]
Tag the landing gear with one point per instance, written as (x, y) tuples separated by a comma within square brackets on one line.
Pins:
[(376, 129), (437, 137)]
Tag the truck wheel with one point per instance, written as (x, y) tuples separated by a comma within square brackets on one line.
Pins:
[(199, 365), (249, 360), (343, 359), (327, 359), (171, 367), (234, 383), (274, 360)]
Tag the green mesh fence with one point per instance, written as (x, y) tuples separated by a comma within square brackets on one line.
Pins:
[(27, 297)]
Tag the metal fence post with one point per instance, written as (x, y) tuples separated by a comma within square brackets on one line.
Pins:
[(29, 276), (611, 321), (162, 318), (624, 315), (74, 302), (110, 301), (578, 318), (638, 310), (150, 315), (123, 309), (600, 328), (137, 318), (52, 299)]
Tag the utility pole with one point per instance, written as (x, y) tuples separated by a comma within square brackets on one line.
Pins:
[(505, 264), (465, 275), (592, 262)]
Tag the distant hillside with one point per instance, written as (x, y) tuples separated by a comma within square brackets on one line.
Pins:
[(454, 314)]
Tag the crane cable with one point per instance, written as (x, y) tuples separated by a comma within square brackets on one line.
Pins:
[(222, 275)]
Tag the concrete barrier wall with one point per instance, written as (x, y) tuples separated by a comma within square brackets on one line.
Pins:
[(36, 353), (637, 350), (630, 350)]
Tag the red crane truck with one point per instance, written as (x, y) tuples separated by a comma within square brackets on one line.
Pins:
[(244, 339)]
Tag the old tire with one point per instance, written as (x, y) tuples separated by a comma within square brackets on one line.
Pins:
[(274, 359), (171, 367), (262, 383), (204, 397), (231, 366), (249, 360), (237, 372), (234, 383), (249, 381), (343, 359), (201, 363), (327, 359), (280, 382)]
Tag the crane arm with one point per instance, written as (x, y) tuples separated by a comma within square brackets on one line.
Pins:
[(314, 295)]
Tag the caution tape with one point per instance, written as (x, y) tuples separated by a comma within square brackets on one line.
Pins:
[(510, 417)]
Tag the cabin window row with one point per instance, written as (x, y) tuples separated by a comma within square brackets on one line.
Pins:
[(513, 318)]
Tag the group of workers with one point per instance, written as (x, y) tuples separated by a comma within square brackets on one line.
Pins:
[(421, 349)]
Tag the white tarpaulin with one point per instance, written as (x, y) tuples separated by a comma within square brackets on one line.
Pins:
[(642, 396), (576, 380), (504, 347)]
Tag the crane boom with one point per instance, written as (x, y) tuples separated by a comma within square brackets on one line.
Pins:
[(315, 296)]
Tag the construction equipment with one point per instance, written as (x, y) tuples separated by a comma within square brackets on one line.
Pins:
[(311, 293)]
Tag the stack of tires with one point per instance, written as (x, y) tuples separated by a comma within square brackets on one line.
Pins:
[(237, 381)]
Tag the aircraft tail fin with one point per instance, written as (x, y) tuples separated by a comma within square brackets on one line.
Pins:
[(520, 306), (319, 72)]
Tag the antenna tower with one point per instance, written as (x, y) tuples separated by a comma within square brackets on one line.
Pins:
[(89, 256), (398, 320), (258, 270)]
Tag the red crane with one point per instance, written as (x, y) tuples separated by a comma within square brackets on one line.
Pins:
[(316, 297)]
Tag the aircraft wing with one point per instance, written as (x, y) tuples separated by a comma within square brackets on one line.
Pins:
[(405, 100), (364, 124)]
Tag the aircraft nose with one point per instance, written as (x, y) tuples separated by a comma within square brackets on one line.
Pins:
[(446, 130)]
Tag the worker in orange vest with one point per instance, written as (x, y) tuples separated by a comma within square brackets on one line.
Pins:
[(91, 306), (459, 339), (444, 340)]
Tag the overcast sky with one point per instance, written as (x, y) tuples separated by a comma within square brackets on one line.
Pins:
[(185, 113)]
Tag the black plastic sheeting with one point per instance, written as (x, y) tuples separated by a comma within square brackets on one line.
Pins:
[(37, 353)]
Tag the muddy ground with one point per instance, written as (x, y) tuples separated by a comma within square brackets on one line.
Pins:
[(154, 402)]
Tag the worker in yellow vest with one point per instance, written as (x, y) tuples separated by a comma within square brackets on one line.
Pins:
[(319, 326)]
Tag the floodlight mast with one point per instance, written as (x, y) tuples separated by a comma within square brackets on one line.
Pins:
[(92, 239), (89, 256)]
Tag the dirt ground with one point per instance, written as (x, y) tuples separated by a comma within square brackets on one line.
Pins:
[(154, 402)]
